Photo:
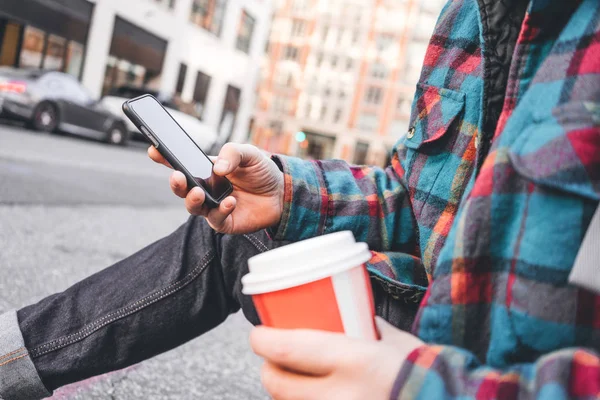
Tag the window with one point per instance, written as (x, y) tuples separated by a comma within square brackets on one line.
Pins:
[(342, 94), (324, 33), (181, 78), (121, 72), (327, 92), (360, 153), (340, 36), (298, 28), (10, 44), (308, 109), (137, 57), (403, 106), (338, 115), (201, 92), (276, 127), (291, 53), (373, 95), (349, 64), (367, 122), (319, 59), (334, 61), (323, 112), (33, 47), (245, 30), (74, 59), (379, 70), (281, 104), (355, 36), (55, 53), (316, 146), (230, 110), (385, 43), (209, 14)]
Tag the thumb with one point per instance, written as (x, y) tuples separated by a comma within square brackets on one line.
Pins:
[(234, 155), (395, 336), (386, 330)]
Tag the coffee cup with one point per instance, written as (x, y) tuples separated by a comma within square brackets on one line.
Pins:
[(320, 283)]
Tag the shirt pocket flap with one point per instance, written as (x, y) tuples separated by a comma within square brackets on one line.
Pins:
[(562, 149), (433, 113)]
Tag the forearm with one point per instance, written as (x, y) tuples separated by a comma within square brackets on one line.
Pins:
[(328, 196)]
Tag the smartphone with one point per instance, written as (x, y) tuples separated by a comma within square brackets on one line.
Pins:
[(177, 147)]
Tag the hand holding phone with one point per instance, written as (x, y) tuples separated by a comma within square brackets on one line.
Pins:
[(256, 200), (177, 147)]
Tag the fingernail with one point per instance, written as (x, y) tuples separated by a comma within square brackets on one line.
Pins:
[(222, 164)]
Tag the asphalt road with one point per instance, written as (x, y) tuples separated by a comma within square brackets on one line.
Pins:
[(70, 207)]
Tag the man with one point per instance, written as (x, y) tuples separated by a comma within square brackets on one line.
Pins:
[(485, 207)]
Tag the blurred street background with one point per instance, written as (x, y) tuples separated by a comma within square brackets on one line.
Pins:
[(308, 78), (69, 208)]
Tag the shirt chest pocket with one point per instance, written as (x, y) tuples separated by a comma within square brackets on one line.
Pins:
[(561, 150), (557, 161), (432, 138)]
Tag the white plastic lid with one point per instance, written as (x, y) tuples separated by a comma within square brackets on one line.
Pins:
[(304, 262)]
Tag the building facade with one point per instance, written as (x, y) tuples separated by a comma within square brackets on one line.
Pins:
[(206, 52), (339, 76)]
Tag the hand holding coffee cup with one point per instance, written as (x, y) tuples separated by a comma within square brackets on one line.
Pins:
[(320, 283)]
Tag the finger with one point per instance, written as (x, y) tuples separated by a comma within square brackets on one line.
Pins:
[(234, 155), (219, 218), (287, 385), (179, 184), (395, 337), (194, 202), (308, 351), (157, 157)]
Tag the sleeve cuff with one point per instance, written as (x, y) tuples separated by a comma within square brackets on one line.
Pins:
[(306, 200), (18, 377)]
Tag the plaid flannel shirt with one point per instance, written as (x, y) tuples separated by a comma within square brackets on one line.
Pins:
[(493, 244)]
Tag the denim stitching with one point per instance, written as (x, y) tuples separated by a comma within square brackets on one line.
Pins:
[(12, 353), (14, 359), (123, 312), (258, 245), (412, 295)]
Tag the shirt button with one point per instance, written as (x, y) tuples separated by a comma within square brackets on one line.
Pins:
[(411, 133)]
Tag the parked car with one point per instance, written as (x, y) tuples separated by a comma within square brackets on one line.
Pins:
[(52, 101), (202, 134)]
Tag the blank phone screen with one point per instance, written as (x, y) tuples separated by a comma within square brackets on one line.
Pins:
[(177, 141)]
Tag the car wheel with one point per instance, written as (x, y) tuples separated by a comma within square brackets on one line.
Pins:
[(45, 117), (117, 135)]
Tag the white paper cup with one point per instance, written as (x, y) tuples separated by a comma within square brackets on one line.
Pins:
[(320, 283)]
